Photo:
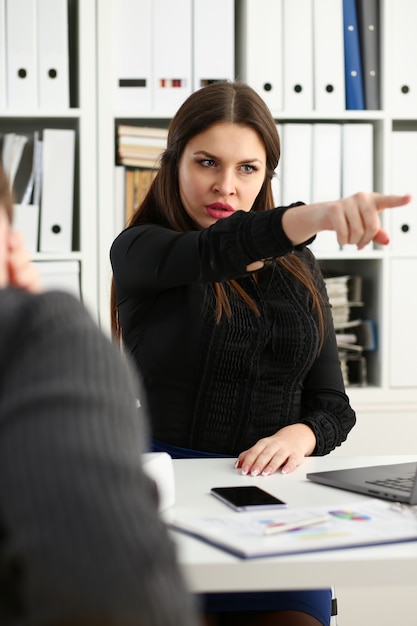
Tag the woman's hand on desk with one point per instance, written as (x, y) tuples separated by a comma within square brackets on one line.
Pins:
[(285, 451)]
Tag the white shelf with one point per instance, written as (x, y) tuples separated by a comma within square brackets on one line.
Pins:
[(375, 264), (73, 113), (82, 118)]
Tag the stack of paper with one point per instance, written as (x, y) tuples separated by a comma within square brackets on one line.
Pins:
[(354, 335), (139, 146), (371, 522)]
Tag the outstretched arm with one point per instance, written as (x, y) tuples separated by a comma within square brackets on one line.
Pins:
[(355, 219)]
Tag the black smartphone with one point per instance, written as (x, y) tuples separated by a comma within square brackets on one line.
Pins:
[(247, 498)]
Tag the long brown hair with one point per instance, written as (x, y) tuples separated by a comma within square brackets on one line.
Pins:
[(233, 102)]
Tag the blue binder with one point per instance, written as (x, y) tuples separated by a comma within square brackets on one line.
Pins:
[(353, 66)]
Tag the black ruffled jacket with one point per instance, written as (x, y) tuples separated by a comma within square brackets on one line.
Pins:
[(220, 387)]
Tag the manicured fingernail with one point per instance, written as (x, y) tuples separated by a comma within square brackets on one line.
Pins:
[(255, 471), (245, 470), (267, 471)]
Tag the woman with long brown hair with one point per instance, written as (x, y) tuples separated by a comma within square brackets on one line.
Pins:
[(223, 307)]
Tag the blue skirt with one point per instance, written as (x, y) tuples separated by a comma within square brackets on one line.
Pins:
[(315, 602)]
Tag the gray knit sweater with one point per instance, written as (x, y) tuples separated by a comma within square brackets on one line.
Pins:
[(80, 537)]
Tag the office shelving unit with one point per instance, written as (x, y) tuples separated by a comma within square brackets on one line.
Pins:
[(81, 117), (380, 267)]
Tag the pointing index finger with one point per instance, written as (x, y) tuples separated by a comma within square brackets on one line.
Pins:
[(391, 201)]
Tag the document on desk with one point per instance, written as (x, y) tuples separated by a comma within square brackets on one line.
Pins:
[(371, 522)]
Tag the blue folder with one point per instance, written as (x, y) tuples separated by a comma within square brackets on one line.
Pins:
[(353, 66)]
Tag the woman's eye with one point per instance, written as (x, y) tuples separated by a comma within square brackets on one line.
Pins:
[(248, 168), (208, 162)]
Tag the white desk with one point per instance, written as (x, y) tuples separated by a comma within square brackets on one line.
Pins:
[(209, 569)]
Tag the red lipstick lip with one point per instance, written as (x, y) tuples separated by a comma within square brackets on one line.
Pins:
[(220, 206)]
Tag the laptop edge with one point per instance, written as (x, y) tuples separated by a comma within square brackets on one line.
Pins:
[(358, 480)]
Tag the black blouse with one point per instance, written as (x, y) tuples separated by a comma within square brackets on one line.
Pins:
[(220, 387)]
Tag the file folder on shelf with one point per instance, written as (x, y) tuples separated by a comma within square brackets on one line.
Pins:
[(214, 18), (326, 176), (402, 40), (368, 23), (402, 335), (132, 22), (3, 98), (23, 168), (357, 162), (329, 71), (296, 157), (353, 64), (298, 54), (53, 54), (61, 276), (171, 53), (26, 221), (32, 193), (57, 190), (26, 193), (326, 162), (21, 54), (260, 48), (357, 158), (13, 146), (403, 228)]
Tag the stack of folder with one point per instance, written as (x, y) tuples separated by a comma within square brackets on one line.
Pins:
[(40, 167), (304, 55), (166, 50), (324, 161), (403, 263), (354, 336), (34, 54)]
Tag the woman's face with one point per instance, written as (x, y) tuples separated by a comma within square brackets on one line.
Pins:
[(221, 171)]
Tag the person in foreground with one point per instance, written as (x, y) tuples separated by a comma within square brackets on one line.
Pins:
[(81, 543), (223, 307)]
